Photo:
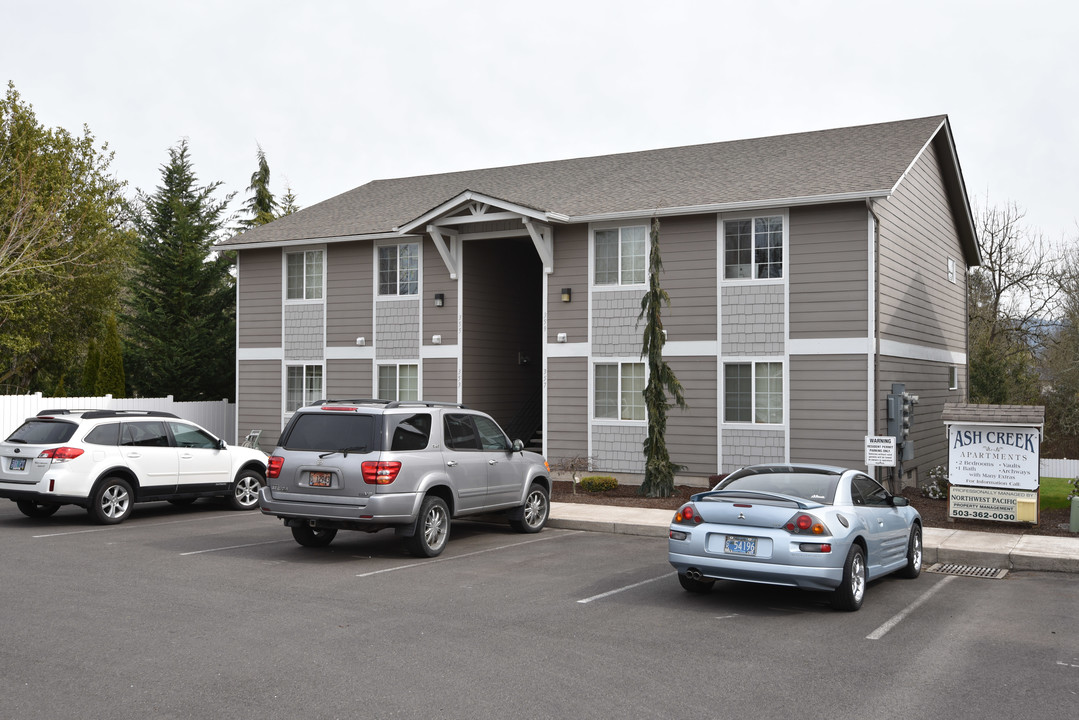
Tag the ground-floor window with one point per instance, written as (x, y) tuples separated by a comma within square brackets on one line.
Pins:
[(303, 386), (753, 392), (398, 382), (619, 391)]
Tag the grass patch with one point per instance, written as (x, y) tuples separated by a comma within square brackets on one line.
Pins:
[(1054, 495)]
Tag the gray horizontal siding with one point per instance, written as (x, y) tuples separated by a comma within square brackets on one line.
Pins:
[(828, 409), (440, 379), (258, 400), (436, 279), (349, 277), (570, 271), (258, 300), (348, 379), (917, 236), (829, 271), (688, 248), (567, 409), (692, 435)]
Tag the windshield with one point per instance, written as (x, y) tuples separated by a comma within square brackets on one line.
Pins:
[(43, 432), (818, 487)]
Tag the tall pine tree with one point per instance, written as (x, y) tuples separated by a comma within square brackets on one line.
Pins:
[(658, 469), (262, 206), (181, 315)]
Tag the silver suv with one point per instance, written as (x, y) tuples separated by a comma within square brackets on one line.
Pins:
[(372, 464)]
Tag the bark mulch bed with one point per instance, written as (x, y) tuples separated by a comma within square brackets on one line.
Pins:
[(934, 512)]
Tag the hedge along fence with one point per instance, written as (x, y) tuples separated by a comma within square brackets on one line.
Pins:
[(217, 416)]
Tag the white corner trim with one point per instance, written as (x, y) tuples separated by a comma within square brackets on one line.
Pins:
[(832, 346), (349, 352), (910, 351)]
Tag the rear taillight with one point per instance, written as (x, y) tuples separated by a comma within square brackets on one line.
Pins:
[(805, 524), (61, 454), (273, 468), (687, 515), (380, 472)]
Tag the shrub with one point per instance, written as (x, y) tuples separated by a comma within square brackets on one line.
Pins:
[(598, 483), (937, 487)]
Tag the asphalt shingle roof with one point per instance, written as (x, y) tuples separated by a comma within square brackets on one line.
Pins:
[(865, 159)]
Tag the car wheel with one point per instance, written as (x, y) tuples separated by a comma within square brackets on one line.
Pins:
[(851, 591), (245, 491), (913, 567), (313, 537), (29, 508), (535, 511), (693, 585), (433, 528), (111, 503)]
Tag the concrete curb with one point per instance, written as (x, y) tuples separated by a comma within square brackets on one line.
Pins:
[(1004, 551)]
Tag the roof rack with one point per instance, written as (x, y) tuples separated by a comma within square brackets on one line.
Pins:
[(57, 411), (352, 401), (94, 414), (424, 403)]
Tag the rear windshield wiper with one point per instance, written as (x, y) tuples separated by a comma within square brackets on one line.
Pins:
[(345, 451)]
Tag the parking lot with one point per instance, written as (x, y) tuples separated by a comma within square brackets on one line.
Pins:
[(202, 612)]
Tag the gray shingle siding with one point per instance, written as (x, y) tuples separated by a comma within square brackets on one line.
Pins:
[(754, 320)]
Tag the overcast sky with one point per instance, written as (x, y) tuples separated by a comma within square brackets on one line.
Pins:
[(341, 93)]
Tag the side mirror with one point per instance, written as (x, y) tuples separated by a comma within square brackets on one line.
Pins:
[(518, 446), (899, 501), (222, 445)]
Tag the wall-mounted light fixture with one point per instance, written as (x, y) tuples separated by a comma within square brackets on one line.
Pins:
[(562, 337), (567, 294), (361, 341), (436, 339), (440, 299)]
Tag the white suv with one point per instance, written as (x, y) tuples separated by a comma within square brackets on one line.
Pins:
[(106, 460)]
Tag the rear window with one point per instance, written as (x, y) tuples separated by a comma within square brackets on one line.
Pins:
[(43, 432), (412, 433), (330, 431), (816, 486)]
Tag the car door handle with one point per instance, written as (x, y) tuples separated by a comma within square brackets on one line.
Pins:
[(492, 462), (451, 463)]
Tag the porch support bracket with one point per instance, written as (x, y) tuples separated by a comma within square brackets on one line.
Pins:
[(543, 238), (450, 251)]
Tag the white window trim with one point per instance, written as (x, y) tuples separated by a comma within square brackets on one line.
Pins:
[(397, 297), (397, 365), (722, 245), (284, 382), (953, 273), (753, 362), (618, 421), (284, 275), (592, 228)]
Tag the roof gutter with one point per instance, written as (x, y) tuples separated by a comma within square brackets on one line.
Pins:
[(864, 195), (226, 246)]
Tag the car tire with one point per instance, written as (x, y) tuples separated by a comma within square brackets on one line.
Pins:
[(112, 501), (313, 537), (695, 586), (913, 568), (535, 511), (432, 528), (245, 490), (851, 591), (32, 509)]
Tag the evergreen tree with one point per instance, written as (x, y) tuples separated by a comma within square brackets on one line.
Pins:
[(261, 206), (659, 471), (181, 316), (110, 376), (288, 202), (91, 369)]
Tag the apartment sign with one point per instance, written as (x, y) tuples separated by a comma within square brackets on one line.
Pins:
[(1004, 457)]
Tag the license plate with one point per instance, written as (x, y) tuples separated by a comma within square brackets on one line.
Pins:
[(17, 464), (320, 479), (738, 545)]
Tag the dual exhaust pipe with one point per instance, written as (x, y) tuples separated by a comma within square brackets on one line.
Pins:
[(694, 574)]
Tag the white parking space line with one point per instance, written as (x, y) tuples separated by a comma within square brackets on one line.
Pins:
[(424, 563), (233, 547), (623, 589), (134, 526), (898, 618)]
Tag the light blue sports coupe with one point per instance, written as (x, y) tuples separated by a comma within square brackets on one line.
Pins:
[(814, 527)]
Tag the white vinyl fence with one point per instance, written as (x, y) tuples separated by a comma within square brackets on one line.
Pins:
[(1066, 469), (217, 416)]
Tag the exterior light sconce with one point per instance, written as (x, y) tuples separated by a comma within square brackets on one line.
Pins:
[(361, 341), (567, 294), (562, 337), (440, 299), (436, 339)]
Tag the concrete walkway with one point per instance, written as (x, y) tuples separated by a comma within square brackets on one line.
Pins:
[(1003, 551)]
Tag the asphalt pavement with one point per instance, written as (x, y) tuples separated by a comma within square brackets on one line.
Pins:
[(1003, 551)]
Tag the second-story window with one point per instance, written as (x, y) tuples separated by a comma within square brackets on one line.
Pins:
[(399, 269), (753, 248), (303, 275), (621, 256)]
